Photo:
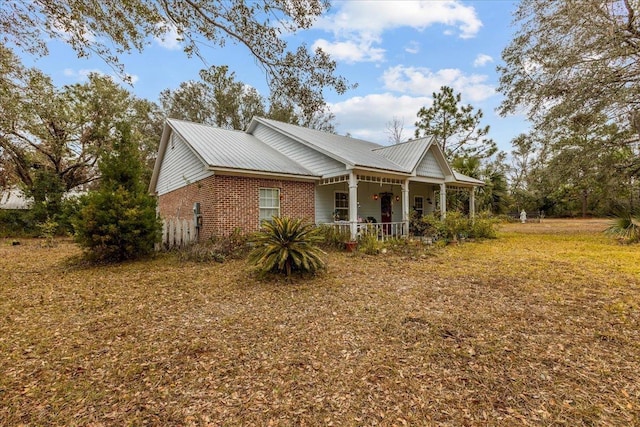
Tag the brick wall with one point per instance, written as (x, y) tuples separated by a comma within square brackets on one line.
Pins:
[(227, 202)]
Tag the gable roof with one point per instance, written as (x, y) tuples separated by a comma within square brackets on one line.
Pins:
[(466, 179), (242, 152), (351, 151), (231, 149)]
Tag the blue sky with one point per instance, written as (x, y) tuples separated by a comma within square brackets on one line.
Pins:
[(398, 52)]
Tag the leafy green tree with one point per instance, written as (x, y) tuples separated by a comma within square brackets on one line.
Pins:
[(456, 128), (118, 221), (218, 99), (494, 196), (110, 28), (191, 101), (574, 58), (64, 131), (286, 245)]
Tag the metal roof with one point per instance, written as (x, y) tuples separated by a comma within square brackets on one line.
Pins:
[(231, 149), (353, 151), (406, 154), (467, 179), (14, 198)]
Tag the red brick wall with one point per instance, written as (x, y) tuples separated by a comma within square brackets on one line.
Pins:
[(227, 202)]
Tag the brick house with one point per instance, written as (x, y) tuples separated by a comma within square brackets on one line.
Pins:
[(226, 179)]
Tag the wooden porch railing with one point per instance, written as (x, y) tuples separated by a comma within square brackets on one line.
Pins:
[(383, 230)]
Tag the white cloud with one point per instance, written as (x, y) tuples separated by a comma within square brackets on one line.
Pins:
[(79, 32), (413, 47), (366, 117), (171, 38), (482, 60), (362, 23), (424, 82), (83, 74), (350, 52)]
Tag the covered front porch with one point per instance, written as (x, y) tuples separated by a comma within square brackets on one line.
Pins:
[(363, 201)]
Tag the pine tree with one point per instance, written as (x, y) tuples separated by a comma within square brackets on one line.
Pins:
[(118, 221)]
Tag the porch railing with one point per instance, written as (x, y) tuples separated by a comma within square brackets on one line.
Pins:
[(383, 230)]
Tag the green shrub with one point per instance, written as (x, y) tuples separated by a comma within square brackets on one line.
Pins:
[(17, 223), (118, 221), (484, 227), (426, 225), (333, 237), (455, 226), (285, 245), (48, 230), (368, 240)]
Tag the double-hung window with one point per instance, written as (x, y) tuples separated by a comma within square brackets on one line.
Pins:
[(341, 206), (418, 205), (269, 203)]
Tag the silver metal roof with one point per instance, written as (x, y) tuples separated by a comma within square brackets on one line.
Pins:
[(406, 154), (466, 179), (353, 151), (232, 149), (14, 198)]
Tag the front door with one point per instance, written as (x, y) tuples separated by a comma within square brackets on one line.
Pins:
[(386, 212)]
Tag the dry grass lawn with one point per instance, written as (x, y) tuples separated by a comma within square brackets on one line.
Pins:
[(538, 327)]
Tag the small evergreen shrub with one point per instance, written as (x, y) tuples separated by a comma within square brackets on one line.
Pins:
[(118, 221), (287, 245), (427, 225), (455, 226), (17, 223), (484, 227)]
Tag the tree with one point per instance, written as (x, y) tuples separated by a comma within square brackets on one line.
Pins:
[(573, 58), (218, 99), (455, 127), (494, 195), (64, 131), (191, 101), (118, 221), (395, 129), (110, 28)]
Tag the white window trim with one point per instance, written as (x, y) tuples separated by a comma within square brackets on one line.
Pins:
[(342, 208), (270, 208)]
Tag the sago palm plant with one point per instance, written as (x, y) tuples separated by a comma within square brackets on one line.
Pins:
[(285, 245)]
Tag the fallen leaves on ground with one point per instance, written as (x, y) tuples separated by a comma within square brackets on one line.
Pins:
[(538, 327)]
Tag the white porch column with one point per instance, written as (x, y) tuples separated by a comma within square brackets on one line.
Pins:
[(443, 201), (405, 206), (353, 205), (472, 203)]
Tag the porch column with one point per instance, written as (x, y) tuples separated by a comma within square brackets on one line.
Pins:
[(472, 203), (353, 205), (443, 200), (405, 207)]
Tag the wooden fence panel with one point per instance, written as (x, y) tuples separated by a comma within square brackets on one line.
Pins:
[(177, 233)]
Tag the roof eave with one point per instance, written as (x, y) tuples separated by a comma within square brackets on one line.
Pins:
[(240, 171)]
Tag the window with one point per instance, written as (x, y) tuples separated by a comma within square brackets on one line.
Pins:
[(418, 205), (341, 206), (269, 203)]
